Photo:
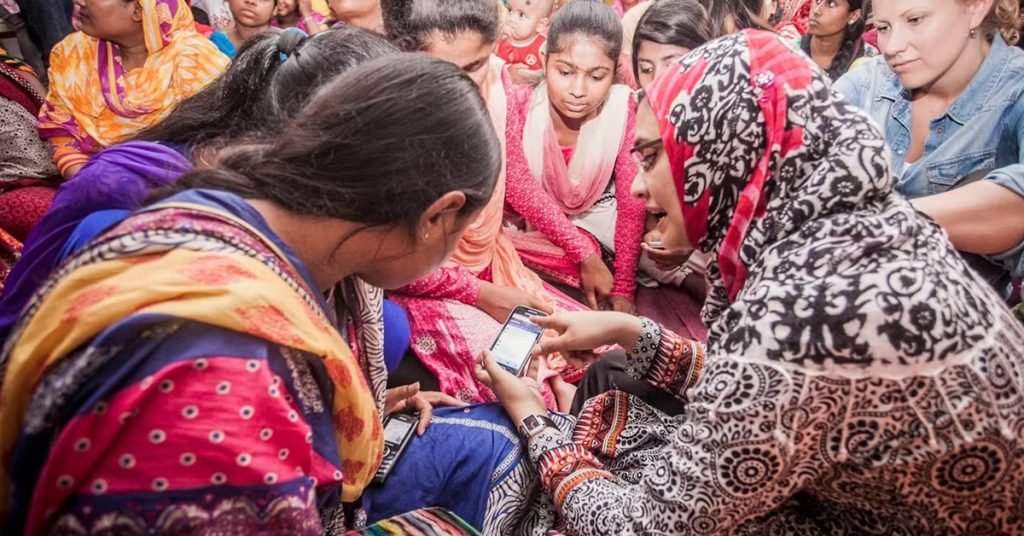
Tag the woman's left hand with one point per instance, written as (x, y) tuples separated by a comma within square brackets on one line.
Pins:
[(621, 304), (519, 396), (596, 281), (409, 398)]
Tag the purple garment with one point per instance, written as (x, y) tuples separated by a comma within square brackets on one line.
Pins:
[(116, 178)]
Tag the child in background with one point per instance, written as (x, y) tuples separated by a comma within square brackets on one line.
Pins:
[(526, 24), (298, 14), (252, 17)]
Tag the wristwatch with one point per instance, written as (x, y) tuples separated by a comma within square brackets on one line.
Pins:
[(533, 424)]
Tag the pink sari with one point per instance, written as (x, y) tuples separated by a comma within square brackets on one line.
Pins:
[(448, 334)]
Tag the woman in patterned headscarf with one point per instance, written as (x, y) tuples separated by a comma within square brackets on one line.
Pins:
[(858, 376), (142, 56)]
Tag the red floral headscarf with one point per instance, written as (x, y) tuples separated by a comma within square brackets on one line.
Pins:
[(751, 129)]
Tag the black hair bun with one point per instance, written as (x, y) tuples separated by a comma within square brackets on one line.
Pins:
[(290, 41)]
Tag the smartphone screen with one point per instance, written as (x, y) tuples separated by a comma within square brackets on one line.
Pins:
[(396, 430), (515, 342)]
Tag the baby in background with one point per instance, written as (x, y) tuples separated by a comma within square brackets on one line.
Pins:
[(526, 24)]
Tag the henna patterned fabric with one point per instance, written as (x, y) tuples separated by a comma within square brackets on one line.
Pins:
[(859, 377)]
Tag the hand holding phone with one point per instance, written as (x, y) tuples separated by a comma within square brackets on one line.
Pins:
[(515, 342)]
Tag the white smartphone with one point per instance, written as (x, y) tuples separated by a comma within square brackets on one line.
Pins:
[(515, 342)]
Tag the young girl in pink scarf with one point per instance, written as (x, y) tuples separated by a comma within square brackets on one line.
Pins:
[(569, 167)]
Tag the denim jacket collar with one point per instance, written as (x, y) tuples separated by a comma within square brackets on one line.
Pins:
[(975, 96)]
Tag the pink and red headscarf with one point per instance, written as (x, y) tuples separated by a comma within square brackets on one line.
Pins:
[(736, 119)]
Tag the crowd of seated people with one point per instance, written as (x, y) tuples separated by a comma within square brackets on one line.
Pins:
[(774, 249)]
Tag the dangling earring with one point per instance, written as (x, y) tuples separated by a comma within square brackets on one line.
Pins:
[(973, 33)]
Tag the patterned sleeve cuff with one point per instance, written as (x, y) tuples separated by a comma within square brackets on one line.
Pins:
[(565, 468), (625, 289), (545, 440), (581, 249), (644, 350), (677, 364)]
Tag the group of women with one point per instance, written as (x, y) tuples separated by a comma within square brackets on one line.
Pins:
[(225, 277)]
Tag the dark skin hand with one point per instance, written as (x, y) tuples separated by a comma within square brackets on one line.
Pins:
[(408, 398), (596, 279), (620, 304)]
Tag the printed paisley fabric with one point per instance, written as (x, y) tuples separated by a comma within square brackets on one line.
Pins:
[(194, 323), (859, 377)]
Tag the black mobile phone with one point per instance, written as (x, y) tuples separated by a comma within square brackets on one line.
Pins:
[(398, 430), (516, 340)]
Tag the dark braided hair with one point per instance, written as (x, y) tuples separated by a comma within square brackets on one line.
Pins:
[(852, 47)]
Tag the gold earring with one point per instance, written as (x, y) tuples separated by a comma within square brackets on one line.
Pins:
[(973, 33)]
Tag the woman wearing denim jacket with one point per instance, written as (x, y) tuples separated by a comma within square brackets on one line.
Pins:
[(947, 92)]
